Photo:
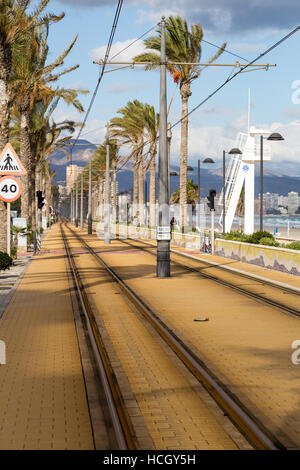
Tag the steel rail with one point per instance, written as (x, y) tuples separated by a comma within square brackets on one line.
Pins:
[(275, 284), (120, 420), (243, 419), (260, 298)]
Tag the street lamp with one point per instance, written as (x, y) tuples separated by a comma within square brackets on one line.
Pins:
[(275, 136), (234, 151)]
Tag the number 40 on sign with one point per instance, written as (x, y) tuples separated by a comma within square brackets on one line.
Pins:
[(10, 189)]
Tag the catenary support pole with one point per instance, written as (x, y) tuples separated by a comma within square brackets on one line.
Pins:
[(90, 216), (163, 230), (71, 197), (81, 202), (199, 196), (107, 191), (76, 208), (224, 214)]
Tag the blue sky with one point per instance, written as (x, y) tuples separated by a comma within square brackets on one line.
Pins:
[(249, 28)]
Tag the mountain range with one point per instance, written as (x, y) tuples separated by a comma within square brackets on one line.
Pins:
[(274, 182)]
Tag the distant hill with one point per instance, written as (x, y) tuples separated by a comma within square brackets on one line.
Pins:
[(81, 154), (274, 182)]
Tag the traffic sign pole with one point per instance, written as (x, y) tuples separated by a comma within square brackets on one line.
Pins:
[(8, 229)]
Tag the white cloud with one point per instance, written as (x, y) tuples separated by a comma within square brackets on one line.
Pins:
[(210, 141), (125, 56)]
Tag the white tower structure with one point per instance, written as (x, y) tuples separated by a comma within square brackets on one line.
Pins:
[(241, 171)]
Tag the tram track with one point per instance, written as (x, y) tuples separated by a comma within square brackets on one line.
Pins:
[(119, 418), (262, 298), (243, 419)]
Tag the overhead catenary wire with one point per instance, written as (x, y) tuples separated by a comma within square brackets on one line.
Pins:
[(103, 68), (229, 79), (225, 50), (267, 51), (112, 34)]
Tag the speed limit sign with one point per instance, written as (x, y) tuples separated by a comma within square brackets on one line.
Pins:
[(10, 189)]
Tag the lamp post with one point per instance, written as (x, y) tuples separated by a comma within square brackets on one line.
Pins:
[(90, 216), (234, 151), (275, 136), (206, 160)]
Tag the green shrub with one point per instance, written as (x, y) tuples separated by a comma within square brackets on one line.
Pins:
[(267, 241), (13, 251), (293, 246), (257, 236), (235, 235), (5, 261)]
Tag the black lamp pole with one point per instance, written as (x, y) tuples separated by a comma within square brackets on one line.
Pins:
[(261, 225), (273, 137), (224, 153), (199, 196)]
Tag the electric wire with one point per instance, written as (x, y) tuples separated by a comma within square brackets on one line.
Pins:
[(112, 34), (231, 77)]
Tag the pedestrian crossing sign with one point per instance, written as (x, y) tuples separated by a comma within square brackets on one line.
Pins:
[(10, 164)]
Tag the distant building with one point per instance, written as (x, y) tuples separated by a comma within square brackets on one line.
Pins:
[(283, 201), (72, 173), (293, 198), (271, 201)]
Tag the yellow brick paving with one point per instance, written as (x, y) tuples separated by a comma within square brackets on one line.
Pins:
[(245, 343), (174, 413), (42, 394)]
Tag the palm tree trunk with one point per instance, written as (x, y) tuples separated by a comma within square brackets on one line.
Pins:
[(5, 69), (152, 189), (141, 190), (33, 200), (114, 192), (25, 150), (185, 94), (135, 185)]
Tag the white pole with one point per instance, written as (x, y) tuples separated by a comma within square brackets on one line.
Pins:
[(8, 229), (212, 232), (288, 230)]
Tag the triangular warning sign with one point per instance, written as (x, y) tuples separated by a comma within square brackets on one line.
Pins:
[(10, 164)]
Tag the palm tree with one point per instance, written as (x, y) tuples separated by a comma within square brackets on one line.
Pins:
[(45, 138), (129, 129), (98, 172), (151, 123), (182, 45), (30, 84), (15, 22), (192, 194), (240, 209)]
